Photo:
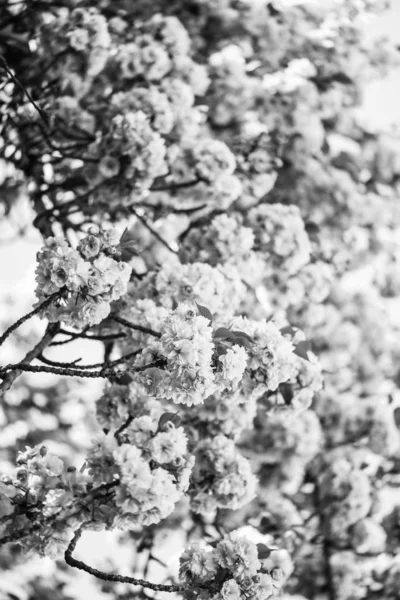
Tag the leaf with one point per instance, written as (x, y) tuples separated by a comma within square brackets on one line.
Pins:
[(126, 236), (169, 417), (312, 228), (220, 350), (239, 340), (204, 312), (127, 245), (263, 551), (396, 415), (236, 337), (223, 333), (302, 350), (244, 335), (287, 392), (342, 78), (221, 575), (127, 253)]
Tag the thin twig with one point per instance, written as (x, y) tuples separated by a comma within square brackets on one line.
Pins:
[(330, 583), (95, 493), (174, 185), (17, 82), (82, 335), (124, 426), (31, 314), (105, 364), (153, 231), (9, 376), (64, 365), (127, 323)]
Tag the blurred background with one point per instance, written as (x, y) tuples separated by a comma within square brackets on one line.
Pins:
[(380, 109)]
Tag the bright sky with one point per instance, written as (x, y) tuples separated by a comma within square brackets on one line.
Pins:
[(382, 97)]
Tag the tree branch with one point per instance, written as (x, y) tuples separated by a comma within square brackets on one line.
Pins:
[(153, 231), (325, 545), (74, 364), (26, 317), (17, 82), (78, 564), (123, 321), (10, 376), (105, 373)]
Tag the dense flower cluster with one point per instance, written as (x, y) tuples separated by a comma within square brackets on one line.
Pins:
[(118, 402), (183, 365), (224, 240), (84, 39), (90, 277), (153, 466), (132, 142), (231, 570), (280, 361), (220, 289), (227, 413), (280, 235), (43, 483), (222, 478)]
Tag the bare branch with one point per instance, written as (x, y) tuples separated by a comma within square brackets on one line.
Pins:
[(78, 564)]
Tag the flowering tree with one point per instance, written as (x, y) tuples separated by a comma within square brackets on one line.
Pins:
[(218, 218)]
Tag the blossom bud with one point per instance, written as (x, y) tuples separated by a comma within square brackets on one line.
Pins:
[(277, 574)]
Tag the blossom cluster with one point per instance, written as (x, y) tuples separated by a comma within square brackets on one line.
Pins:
[(224, 240), (84, 39), (132, 149), (280, 235), (152, 462), (346, 496), (218, 288), (222, 477), (42, 486), (232, 570), (281, 448), (226, 413), (182, 363), (88, 277), (118, 402), (279, 357)]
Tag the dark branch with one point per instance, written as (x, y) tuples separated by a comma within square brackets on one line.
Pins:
[(78, 564), (123, 321), (33, 312), (9, 376), (17, 82), (153, 231)]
